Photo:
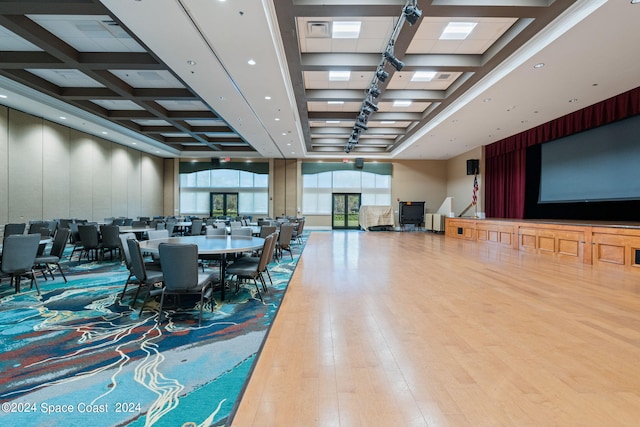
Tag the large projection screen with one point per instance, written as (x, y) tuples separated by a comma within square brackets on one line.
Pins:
[(597, 165)]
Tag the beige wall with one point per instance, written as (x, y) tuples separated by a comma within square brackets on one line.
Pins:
[(50, 171), (460, 185)]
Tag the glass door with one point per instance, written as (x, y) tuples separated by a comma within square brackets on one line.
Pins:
[(223, 205), (345, 210)]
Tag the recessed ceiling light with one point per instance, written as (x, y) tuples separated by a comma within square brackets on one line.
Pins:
[(486, 100), (539, 65), (277, 119), (332, 122), (346, 29), (63, 118), (457, 30), (423, 76), (573, 100), (267, 97), (335, 102), (339, 76), (191, 62), (401, 103), (3, 96), (251, 62), (134, 143), (387, 122), (284, 133), (105, 132)]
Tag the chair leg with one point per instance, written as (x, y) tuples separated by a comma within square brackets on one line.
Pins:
[(61, 273), (160, 318), (34, 280)]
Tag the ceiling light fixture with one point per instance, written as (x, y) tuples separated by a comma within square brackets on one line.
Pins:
[(423, 76), (457, 30), (335, 102), (339, 76), (539, 65), (251, 62), (382, 75), (401, 103), (345, 29)]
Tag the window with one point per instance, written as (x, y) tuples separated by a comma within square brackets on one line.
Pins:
[(252, 189), (317, 189)]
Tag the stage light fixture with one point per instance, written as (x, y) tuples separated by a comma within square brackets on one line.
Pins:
[(412, 13), (366, 111), (395, 62), (374, 91), (353, 139), (361, 125), (371, 105), (382, 75)]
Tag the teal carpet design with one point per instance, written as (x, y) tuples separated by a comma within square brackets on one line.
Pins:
[(77, 356)]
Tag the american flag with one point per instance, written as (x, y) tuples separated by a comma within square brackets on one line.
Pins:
[(474, 198)]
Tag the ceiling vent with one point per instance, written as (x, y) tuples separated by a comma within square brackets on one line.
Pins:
[(444, 76), (115, 29), (318, 30)]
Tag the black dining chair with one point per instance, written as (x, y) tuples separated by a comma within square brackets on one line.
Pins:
[(55, 254), (90, 239), (18, 258), (110, 239), (139, 273), (180, 270), (249, 270)]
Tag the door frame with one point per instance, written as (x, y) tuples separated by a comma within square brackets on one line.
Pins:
[(345, 225), (224, 194)]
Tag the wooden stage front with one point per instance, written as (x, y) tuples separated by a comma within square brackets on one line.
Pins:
[(598, 243)]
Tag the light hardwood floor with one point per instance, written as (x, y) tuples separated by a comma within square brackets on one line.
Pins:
[(416, 329)]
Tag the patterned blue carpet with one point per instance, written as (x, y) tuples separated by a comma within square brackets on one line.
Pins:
[(76, 356)]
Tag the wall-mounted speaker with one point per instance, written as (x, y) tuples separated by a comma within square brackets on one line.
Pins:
[(359, 162), (473, 167)]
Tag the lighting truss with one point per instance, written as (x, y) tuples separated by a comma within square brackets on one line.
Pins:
[(411, 14)]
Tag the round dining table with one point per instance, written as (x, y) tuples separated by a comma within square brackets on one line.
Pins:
[(210, 245)]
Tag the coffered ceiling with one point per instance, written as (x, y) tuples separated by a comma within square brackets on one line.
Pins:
[(255, 78)]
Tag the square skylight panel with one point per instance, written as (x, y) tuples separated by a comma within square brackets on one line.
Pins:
[(339, 76), (345, 29), (401, 103), (423, 76), (457, 30)]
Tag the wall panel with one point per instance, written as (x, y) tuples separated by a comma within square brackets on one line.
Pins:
[(4, 164), (101, 165), (80, 176), (134, 180), (25, 167), (55, 169)]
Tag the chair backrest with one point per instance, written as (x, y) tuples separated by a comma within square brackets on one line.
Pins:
[(244, 231), (211, 231), (196, 227), (19, 252), (265, 258), (139, 224), (179, 266), (110, 236), (272, 249), (118, 221), (235, 224), (88, 236), (128, 221), (157, 234), (60, 240), (300, 226), (124, 247), (265, 230), (286, 231), (14, 228), (137, 262)]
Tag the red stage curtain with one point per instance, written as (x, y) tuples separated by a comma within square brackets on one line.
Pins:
[(505, 160)]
